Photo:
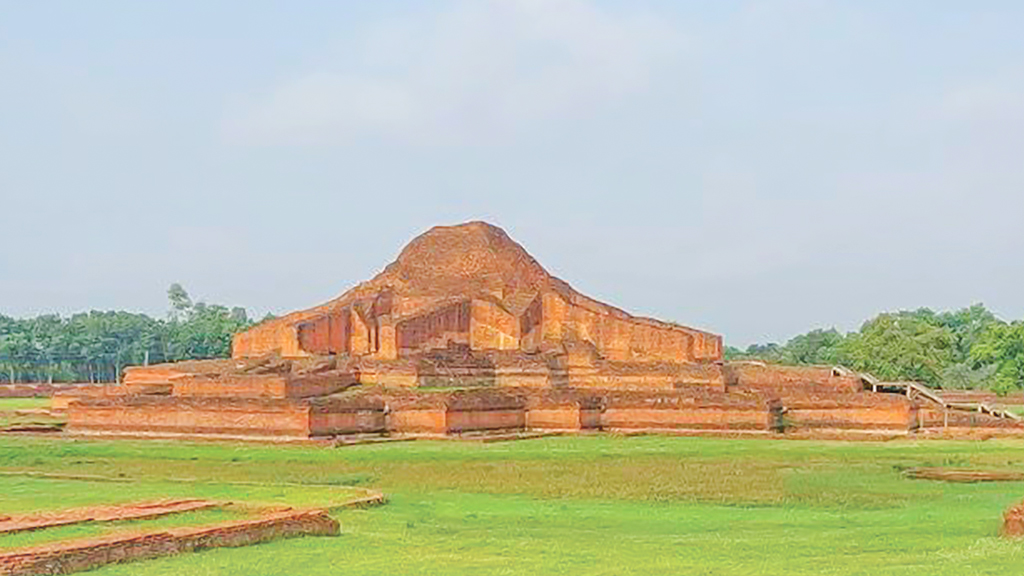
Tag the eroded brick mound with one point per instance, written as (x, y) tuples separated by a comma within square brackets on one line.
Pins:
[(471, 284), (1013, 522)]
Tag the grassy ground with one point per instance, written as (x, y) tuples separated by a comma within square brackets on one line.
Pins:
[(10, 406), (595, 505)]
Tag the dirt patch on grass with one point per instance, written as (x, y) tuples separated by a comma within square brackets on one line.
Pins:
[(963, 475)]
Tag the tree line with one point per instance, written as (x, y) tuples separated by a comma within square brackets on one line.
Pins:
[(96, 346), (963, 349)]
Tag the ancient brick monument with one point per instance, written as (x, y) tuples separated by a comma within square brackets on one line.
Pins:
[(473, 287), (465, 331)]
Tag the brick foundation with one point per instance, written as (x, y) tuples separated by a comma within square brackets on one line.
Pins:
[(396, 411), (86, 554), (193, 416)]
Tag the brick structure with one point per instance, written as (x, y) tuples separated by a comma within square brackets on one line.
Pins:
[(88, 553), (473, 286), (467, 311)]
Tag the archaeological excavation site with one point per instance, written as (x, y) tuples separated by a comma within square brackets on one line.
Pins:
[(466, 334)]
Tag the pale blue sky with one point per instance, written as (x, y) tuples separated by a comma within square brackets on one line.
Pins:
[(754, 168)]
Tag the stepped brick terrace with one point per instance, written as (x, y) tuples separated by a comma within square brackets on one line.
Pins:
[(466, 332)]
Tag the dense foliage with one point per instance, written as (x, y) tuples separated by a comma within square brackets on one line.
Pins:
[(95, 346), (966, 349)]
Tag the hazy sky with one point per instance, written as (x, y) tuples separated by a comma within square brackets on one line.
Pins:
[(753, 168)]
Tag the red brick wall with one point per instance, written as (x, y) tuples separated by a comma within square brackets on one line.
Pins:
[(234, 386), (86, 554), (616, 335), (350, 422), (554, 418), (492, 328), (693, 417), (430, 327), (851, 411), (315, 335), (418, 420), (279, 335), (471, 420), (190, 416)]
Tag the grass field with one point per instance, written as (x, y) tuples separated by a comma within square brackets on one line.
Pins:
[(594, 505), (10, 417)]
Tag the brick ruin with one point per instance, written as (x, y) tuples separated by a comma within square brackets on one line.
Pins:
[(465, 332), (80, 554)]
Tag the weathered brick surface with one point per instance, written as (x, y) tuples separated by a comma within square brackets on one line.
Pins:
[(688, 410), (565, 418), (473, 420), (852, 411), (232, 386), (180, 415), (85, 554), (416, 420)]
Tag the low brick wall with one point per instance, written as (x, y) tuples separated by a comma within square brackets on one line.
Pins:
[(86, 554), (402, 411), (563, 418), (362, 414), (179, 415), (686, 408), (415, 420), (476, 420), (851, 411), (234, 386)]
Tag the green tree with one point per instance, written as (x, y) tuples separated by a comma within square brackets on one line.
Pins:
[(1002, 346), (814, 347), (181, 303), (901, 346), (199, 330)]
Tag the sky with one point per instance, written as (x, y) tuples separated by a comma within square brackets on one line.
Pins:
[(757, 169)]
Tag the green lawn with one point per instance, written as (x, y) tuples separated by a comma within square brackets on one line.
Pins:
[(587, 505), (12, 404)]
